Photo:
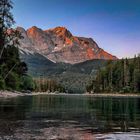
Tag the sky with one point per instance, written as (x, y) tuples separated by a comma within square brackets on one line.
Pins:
[(113, 24)]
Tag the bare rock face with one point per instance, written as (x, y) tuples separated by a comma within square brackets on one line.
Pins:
[(59, 45)]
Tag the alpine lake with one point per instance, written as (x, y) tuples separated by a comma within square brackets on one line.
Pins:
[(69, 117)]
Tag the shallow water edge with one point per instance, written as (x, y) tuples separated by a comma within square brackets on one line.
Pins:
[(9, 94)]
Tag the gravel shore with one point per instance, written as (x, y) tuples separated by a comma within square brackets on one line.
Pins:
[(10, 94)]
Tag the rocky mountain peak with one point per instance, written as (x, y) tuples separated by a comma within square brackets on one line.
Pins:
[(61, 32), (34, 30), (20, 29), (59, 45)]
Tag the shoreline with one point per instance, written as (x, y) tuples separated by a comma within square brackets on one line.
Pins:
[(11, 94), (114, 95)]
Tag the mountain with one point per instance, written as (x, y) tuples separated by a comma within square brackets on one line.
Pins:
[(57, 54), (59, 45)]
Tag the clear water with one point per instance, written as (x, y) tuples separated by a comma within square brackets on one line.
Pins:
[(69, 117)]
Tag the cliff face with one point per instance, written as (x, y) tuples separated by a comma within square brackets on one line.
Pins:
[(59, 45)]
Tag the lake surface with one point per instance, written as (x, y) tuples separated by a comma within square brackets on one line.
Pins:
[(69, 117)]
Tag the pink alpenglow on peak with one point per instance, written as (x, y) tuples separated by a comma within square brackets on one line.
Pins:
[(59, 45)]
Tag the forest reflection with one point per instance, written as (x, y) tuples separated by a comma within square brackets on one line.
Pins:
[(91, 114)]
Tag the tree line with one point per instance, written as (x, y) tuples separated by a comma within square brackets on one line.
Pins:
[(117, 76), (47, 85)]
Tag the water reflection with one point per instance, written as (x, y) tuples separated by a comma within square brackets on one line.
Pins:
[(34, 115)]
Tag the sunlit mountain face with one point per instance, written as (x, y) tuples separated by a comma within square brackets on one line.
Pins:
[(59, 45)]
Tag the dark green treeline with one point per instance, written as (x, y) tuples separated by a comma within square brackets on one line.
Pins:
[(120, 76)]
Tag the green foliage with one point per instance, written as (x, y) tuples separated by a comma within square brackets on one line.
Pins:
[(126, 89), (12, 81), (2, 83), (11, 67), (27, 83), (120, 76)]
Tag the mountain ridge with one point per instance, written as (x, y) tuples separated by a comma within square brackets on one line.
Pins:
[(59, 45)]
